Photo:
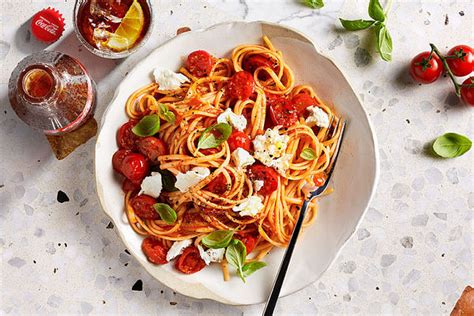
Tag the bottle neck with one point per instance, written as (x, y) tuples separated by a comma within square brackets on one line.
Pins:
[(40, 84)]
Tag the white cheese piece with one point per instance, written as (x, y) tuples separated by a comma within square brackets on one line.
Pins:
[(242, 158), (317, 117), (281, 164), (186, 180), (211, 255), (258, 184), (239, 122), (152, 185), (168, 80), (270, 150), (249, 207), (177, 248)]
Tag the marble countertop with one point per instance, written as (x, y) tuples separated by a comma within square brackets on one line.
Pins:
[(411, 255)]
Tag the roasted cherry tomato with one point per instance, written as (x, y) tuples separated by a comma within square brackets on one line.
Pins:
[(301, 101), (426, 70), (117, 159), (218, 185), (128, 186), (238, 140), (190, 261), (253, 62), (283, 112), (460, 60), (268, 175), (241, 85), (143, 206), (248, 240), (154, 250), (199, 63), (134, 167), (126, 139), (152, 148), (467, 93)]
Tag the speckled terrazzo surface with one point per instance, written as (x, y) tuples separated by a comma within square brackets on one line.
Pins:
[(411, 255)]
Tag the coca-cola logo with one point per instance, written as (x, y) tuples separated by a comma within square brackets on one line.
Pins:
[(47, 25)]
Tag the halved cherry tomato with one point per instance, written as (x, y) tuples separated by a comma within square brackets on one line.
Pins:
[(126, 139), (199, 63), (249, 241), (143, 206), (128, 186), (301, 101), (460, 60), (134, 167), (218, 185), (152, 148), (467, 93), (190, 261), (117, 159), (253, 62), (241, 85), (239, 140), (283, 112), (209, 151), (154, 250), (268, 175), (426, 70)]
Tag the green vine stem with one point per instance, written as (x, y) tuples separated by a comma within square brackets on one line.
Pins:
[(388, 7), (448, 70)]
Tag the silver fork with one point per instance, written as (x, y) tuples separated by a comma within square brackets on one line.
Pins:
[(273, 297)]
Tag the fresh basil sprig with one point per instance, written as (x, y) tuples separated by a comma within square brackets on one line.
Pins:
[(384, 40), (308, 154), (149, 125), (315, 4), (451, 145), (168, 179), (209, 139), (236, 254), (218, 239), (166, 114), (166, 212)]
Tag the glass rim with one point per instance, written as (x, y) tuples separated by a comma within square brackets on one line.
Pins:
[(105, 53)]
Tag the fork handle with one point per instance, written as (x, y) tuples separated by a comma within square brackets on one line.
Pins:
[(273, 298)]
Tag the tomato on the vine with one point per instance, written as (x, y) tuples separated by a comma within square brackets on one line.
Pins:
[(460, 60), (467, 92), (426, 67)]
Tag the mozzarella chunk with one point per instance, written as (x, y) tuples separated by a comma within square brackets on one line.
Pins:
[(258, 184), (270, 150), (317, 117), (239, 122), (152, 185), (177, 248), (249, 207), (211, 255), (168, 80), (186, 180), (242, 158)]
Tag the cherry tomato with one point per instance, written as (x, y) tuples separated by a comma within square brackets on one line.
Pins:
[(301, 101), (463, 62), (117, 159), (154, 250), (283, 112), (425, 70), (241, 85), (239, 140), (135, 167), (143, 206), (218, 185), (152, 148), (467, 93), (209, 151), (128, 186), (126, 139), (249, 241), (268, 175), (190, 261), (253, 62), (199, 63)]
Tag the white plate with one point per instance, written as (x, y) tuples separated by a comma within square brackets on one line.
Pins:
[(340, 212)]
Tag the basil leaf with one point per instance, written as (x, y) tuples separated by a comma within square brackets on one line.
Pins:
[(168, 180), (308, 154), (315, 4), (235, 255), (451, 145), (218, 239), (149, 125), (355, 25), (208, 138), (166, 212), (376, 11), (166, 114), (384, 42), (251, 267)]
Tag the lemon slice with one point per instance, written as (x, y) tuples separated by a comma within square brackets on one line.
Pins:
[(129, 29)]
